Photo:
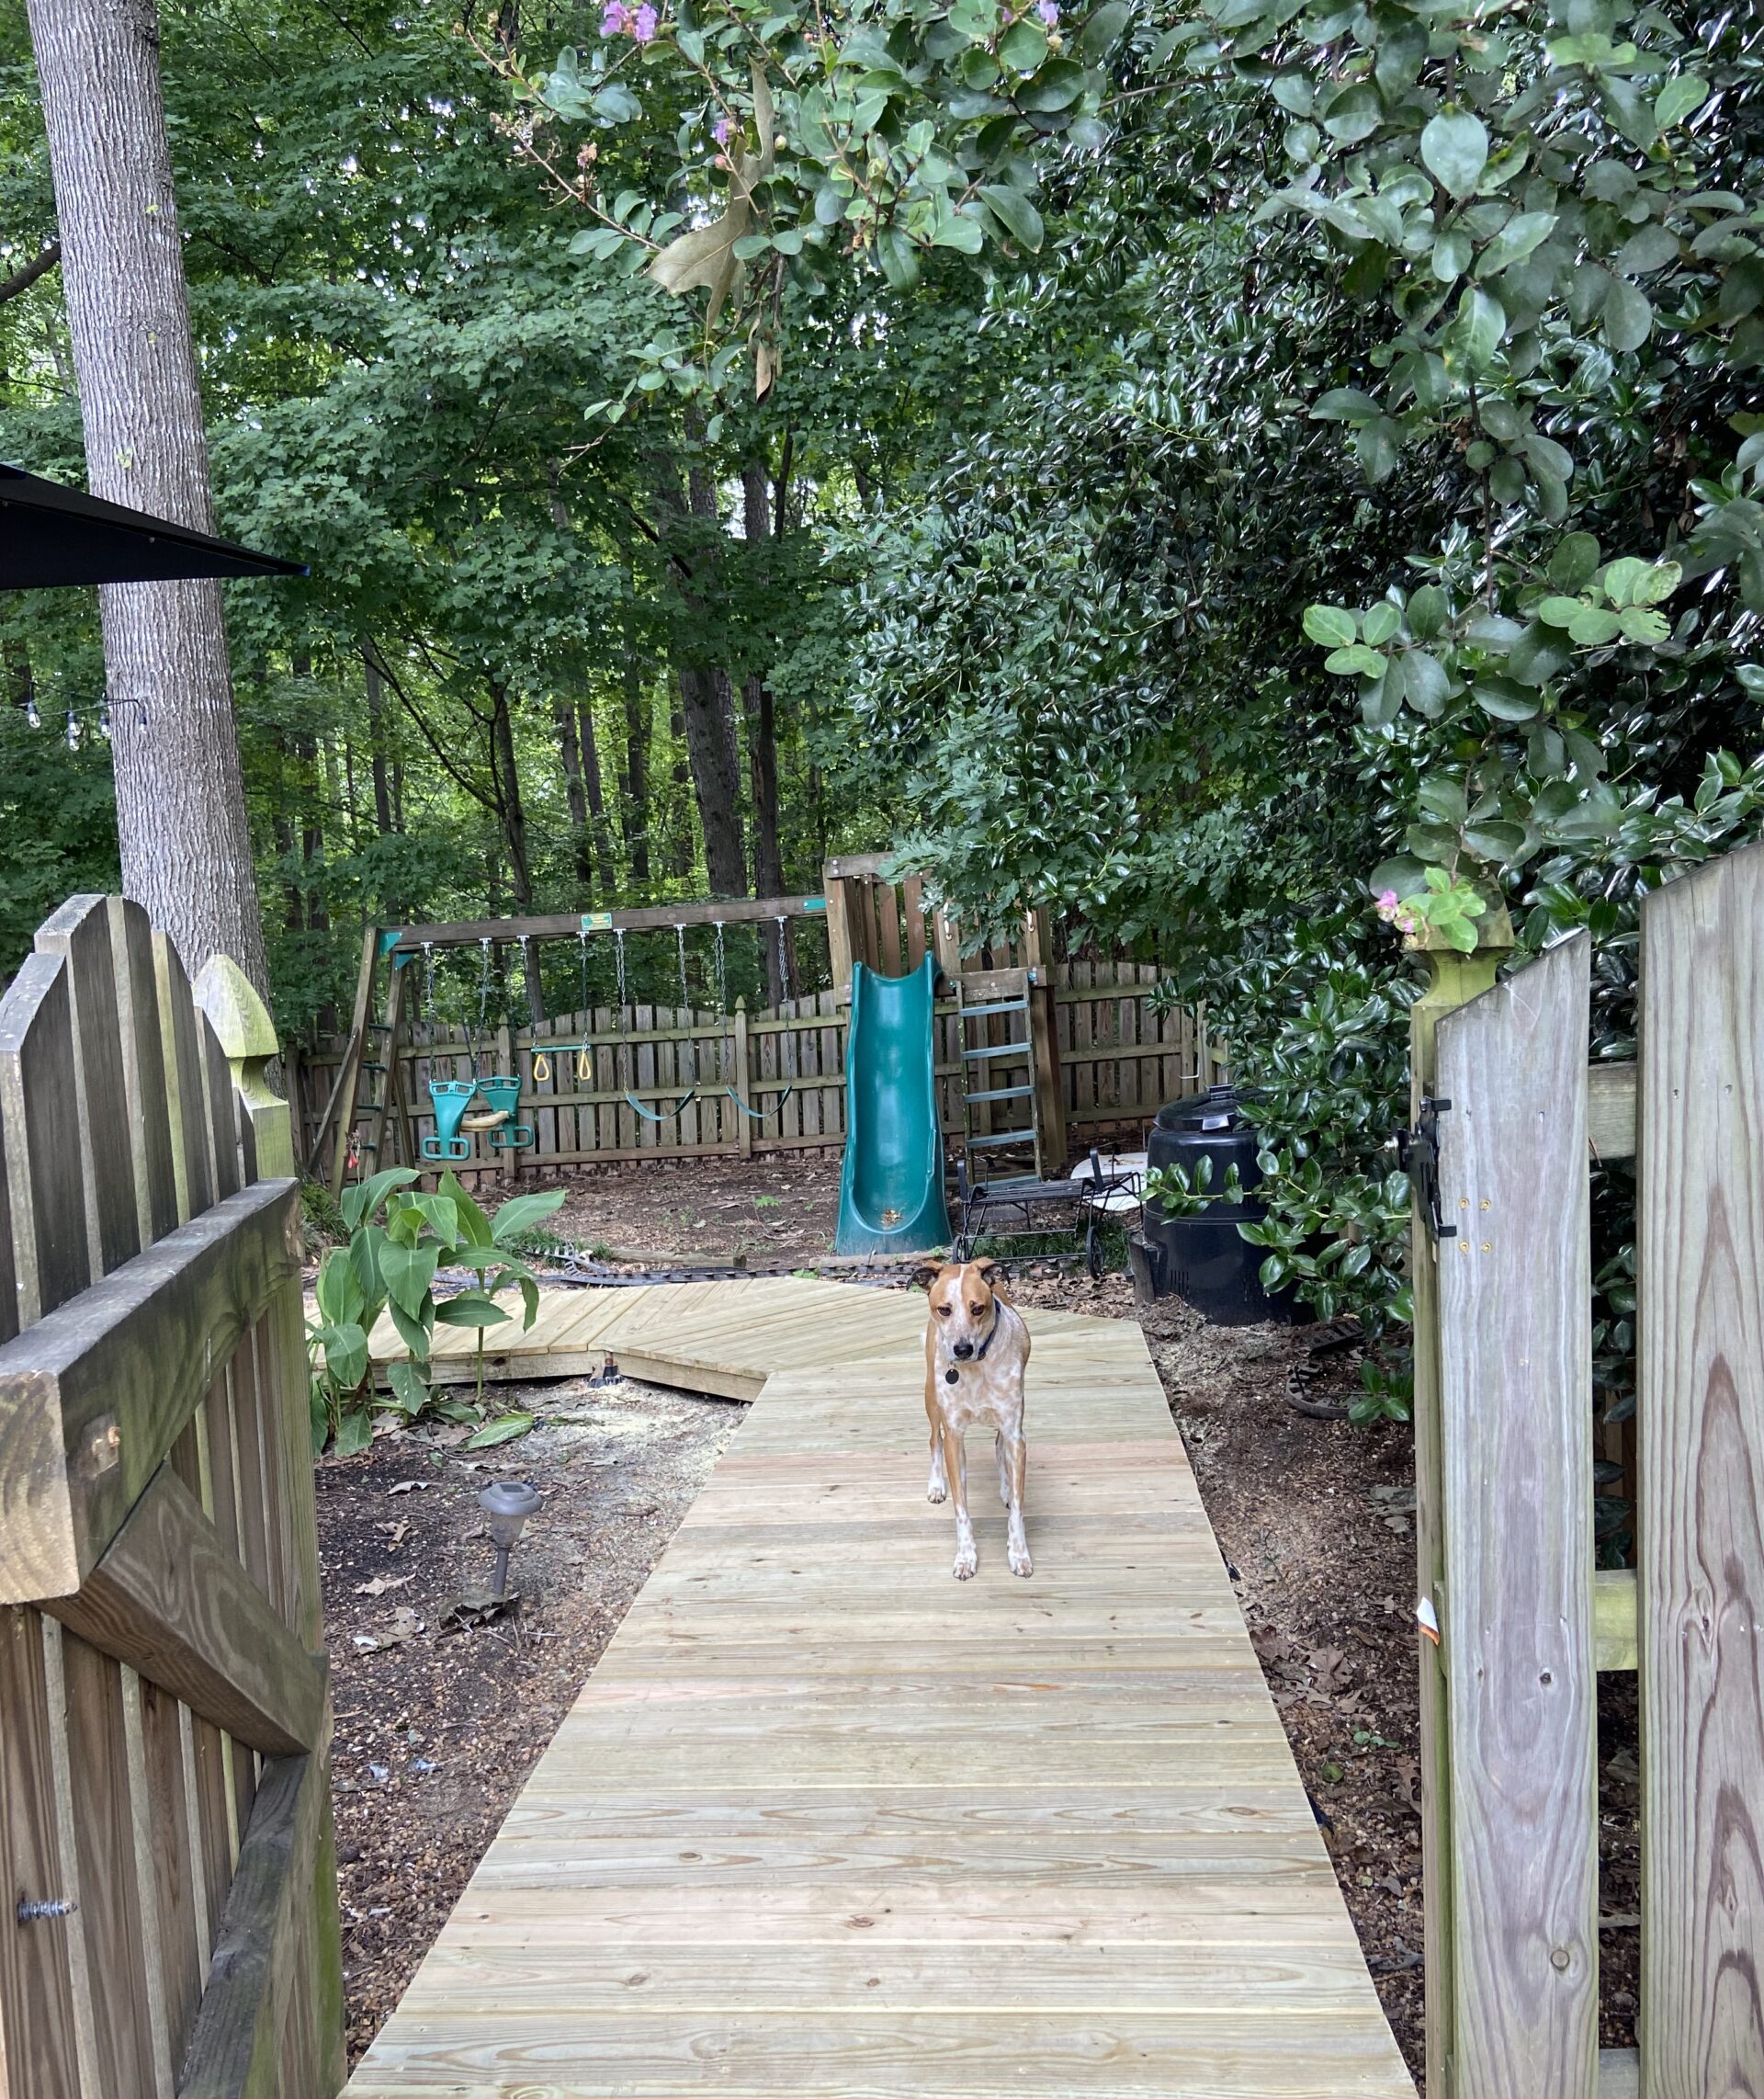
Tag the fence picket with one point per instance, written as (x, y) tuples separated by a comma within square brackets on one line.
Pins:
[(1700, 1413), (80, 931), (144, 1068), (1516, 1442)]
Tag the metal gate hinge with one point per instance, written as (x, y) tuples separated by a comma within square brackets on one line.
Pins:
[(1417, 1152)]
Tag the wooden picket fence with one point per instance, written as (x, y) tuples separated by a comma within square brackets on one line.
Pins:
[(1120, 1060), (1504, 1457), (165, 1846)]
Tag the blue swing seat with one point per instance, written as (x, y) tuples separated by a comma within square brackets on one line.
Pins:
[(450, 1098), (504, 1094)]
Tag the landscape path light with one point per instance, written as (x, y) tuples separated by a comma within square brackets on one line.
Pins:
[(506, 1504)]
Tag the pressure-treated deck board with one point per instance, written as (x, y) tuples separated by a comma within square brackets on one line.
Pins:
[(826, 1822)]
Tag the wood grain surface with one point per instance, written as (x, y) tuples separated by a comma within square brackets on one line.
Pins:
[(827, 1822), (1516, 1449), (1700, 1414)]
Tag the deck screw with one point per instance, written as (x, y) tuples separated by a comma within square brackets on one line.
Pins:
[(1559, 1959), (29, 1913)]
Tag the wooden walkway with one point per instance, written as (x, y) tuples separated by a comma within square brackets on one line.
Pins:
[(826, 1822)]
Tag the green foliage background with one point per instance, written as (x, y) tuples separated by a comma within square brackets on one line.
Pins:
[(1235, 459)]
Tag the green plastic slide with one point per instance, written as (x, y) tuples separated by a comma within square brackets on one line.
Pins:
[(891, 1190)]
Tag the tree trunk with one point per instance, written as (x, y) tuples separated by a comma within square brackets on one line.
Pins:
[(563, 713), (706, 703), (376, 733), (591, 780), (636, 766), (761, 736), (511, 809), (681, 857), (181, 822), (714, 777)]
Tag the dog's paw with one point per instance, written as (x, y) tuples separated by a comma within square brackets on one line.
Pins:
[(968, 1564), (936, 1491), (1021, 1562)]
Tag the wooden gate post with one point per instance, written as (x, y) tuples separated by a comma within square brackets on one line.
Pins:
[(247, 1034), (1452, 979)]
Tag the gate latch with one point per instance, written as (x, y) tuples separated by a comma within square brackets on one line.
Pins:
[(1417, 1152)]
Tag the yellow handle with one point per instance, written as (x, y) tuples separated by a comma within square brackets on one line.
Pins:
[(542, 1069), (585, 1065)]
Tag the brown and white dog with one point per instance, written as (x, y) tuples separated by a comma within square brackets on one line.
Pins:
[(977, 1349)]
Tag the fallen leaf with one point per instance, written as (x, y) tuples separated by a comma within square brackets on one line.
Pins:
[(1330, 1665), (405, 1626), (381, 1583), (410, 1486)]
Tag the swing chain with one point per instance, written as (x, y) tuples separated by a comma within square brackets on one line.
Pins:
[(722, 1005), (688, 1044), (484, 999), (585, 1056)]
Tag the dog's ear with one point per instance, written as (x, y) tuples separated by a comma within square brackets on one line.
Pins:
[(995, 1274), (926, 1273)]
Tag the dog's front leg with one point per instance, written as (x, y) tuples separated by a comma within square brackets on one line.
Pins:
[(1017, 1544), (967, 1558), (937, 1489)]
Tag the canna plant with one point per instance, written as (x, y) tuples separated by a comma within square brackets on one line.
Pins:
[(400, 1238)]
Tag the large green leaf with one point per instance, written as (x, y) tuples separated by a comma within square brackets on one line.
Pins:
[(1023, 45), (364, 1197), (355, 1433), (1679, 99), (1629, 316), (473, 1225), (345, 1354), (470, 1308), (1014, 212), (408, 1390), (1454, 147), (408, 1271), (1516, 239), (1331, 626), (521, 1213), (506, 1428)]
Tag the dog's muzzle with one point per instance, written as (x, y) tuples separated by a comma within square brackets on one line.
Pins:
[(963, 1350)]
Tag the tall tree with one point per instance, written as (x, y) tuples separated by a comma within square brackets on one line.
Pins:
[(182, 828)]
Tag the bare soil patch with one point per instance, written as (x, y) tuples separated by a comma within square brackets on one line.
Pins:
[(783, 1207), (436, 1731)]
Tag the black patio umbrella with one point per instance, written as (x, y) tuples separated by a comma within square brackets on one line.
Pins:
[(51, 535)]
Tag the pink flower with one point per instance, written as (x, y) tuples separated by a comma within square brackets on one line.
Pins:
[(1050, 12), (720, 131), (1388, 902), (644, 24), (616, 18)]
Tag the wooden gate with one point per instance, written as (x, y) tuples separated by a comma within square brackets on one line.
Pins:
[(1504, 1465), (170, 1920)]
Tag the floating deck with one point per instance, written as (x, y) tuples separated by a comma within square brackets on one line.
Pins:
[(826, 1822)]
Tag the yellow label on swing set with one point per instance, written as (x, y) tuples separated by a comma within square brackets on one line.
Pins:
[(597, 922)]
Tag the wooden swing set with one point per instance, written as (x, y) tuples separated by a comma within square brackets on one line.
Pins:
[(487, 1104)]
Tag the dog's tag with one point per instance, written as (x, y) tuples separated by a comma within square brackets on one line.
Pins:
[(950, 1375)]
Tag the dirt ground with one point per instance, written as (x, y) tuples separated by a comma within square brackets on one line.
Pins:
[(765, 1210), (437, 1731)]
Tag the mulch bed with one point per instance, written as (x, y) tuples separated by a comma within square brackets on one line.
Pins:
[(436, 1732)]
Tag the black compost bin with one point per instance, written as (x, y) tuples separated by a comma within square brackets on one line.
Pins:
[(1202, 1259)]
